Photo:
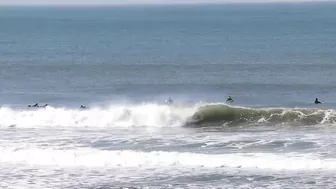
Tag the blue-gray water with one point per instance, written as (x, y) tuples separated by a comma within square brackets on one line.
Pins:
[(124, 62)]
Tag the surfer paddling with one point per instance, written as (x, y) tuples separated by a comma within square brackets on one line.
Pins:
[(317, 101), (34, 106), (37, 106), (229, 99), (169, 101)]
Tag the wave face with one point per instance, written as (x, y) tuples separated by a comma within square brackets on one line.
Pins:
[(226, 115), (154, 115), (114, 116)]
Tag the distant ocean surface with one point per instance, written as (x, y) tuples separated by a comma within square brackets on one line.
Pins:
[(123, 63)]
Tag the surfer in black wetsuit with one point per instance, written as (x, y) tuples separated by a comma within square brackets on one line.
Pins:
[(229, 99), (169, 101), (37, 106), (34, 106), (317, 101), (83, 107)]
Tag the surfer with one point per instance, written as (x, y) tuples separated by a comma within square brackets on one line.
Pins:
[(229, 99), (317, 101), (37, 106), (169, 101), (127, 112), (83, 107), (34, 106)]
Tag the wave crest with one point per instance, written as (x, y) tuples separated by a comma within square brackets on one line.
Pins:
[(155, 115)]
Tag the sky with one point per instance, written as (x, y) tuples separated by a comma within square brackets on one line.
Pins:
[(127, 2)]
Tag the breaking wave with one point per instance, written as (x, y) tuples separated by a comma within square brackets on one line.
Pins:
[(155, 115), (228, 115), (115, 116)]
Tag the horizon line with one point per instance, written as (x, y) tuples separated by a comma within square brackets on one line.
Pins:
[(225, 2)]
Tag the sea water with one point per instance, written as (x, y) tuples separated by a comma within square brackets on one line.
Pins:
[(122, 63)]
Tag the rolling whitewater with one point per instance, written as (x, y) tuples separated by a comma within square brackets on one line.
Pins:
[(105, 74), (162, 115)]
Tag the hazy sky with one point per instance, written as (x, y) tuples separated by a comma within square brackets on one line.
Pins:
[(118, 2)]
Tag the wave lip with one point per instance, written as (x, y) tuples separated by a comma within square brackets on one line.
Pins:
[(221, 114)]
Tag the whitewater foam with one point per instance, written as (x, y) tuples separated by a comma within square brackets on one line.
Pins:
[(115, 116), (88, 157)]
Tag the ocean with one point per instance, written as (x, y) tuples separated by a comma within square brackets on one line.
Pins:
[(124, 62)]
